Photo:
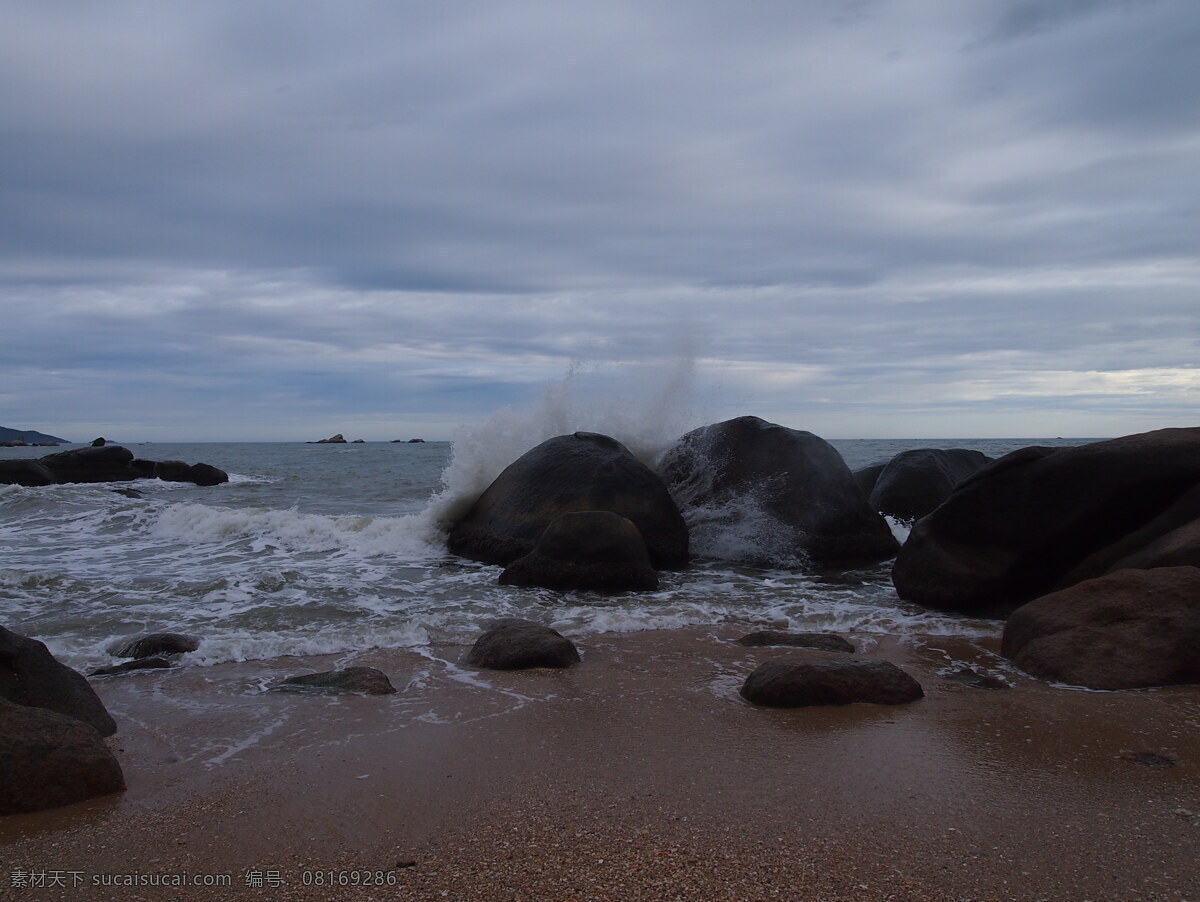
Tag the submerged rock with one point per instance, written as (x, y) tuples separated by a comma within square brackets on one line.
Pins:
[(580, 472), (514, 644), (763, 494), (152, 663), (587, 550), (796, 683), (818, 641), (31, 676), (1126, 630), (361, 680), (49, 760)]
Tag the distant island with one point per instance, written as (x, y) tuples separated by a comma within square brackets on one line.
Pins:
[(29, 437)]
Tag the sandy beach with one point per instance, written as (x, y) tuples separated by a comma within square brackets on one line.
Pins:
[(639, 774)]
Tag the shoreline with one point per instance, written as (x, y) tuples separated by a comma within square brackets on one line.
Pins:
[(638, 774)]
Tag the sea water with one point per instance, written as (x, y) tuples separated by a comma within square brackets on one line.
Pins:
[(318, 548)]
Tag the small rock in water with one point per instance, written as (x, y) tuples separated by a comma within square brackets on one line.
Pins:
[(514, 644), (975, 680), (154, 644), (818, 641), (363, 680), (153, 663)]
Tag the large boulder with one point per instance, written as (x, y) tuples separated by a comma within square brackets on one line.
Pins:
[(763, 494), (514, 644), (588, 550), (914, 482), (98, 463), (1022, 526), (798, 683), (30, 675), (1125, 630), (49, 760), (31, 473), (580, 472)]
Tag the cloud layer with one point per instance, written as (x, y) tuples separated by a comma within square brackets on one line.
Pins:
[(281, 220)]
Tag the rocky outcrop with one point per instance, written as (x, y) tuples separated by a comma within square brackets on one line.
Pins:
[(31, 676), (18, 437), (1126, 630), (763, 494), (1043, 518), (797, 683), (104, 463), (357, 680), (29, 473), (49, 759), (817, 641), (332, 440), (913, 483), (513, 644), (587, 550), (154, 644), (580, 472)]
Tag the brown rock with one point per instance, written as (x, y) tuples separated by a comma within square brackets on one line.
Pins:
[(818, 641), (796, 683), (49, 760), (30, 675), (514, 644), (1125, 630)]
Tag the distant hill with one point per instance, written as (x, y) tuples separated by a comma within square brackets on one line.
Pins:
[(29, 436)]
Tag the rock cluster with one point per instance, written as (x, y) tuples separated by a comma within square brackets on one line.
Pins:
[(103, 463)]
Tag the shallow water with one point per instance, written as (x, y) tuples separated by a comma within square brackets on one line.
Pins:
[(314, 549)]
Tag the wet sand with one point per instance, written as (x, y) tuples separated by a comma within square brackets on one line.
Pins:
[(639, 774)]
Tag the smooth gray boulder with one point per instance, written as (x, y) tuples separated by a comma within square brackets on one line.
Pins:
[(515, 644)]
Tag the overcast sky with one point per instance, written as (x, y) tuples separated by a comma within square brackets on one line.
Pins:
[(865, 218)]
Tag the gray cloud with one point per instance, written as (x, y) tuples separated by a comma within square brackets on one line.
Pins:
[(414, 213)]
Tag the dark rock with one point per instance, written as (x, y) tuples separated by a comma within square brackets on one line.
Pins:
[(206, 474), (768, 495), (1149, 759), (1020, 527), (866, 477), (30, 473), (416, 441), (49, 759), (148, 469), (332, 440), (154, 644), (13, 443), (359, 441), (98, 443), (362, 680), (915, 482), (154, 663), (818, 641), (587, 550), (1172, 539), (1126, 630), (797, 683), (513, 644), (30, 675), (580, 472), (975, 679), (99, 463)]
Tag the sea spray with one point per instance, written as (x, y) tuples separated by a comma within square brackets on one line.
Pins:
[(645, 406)]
